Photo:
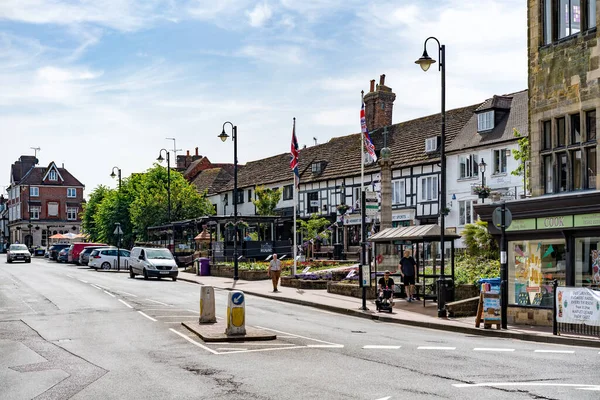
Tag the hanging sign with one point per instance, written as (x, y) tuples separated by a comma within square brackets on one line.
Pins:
[(578, 306)]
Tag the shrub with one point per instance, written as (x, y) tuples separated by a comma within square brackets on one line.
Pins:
[(468, 269)]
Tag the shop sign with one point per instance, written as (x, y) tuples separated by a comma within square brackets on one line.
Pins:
[(587, 220), (314, 203), (559, 222), (354, 220), (578, 306), (527, 224), (406, 216)]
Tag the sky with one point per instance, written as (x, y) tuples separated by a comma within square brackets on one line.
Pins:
[(102, 83)]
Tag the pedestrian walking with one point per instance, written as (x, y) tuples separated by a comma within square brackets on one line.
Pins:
[(274, 272), (408, 270)]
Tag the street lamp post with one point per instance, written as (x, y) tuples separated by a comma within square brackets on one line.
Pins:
[(160, 159), (482, 166), (425, 62), (223, 136), (112, 175)]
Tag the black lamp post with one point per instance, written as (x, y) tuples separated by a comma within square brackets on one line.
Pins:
[(112, 175), (482, 166), (223, 136), (425, 62), (161, 159)]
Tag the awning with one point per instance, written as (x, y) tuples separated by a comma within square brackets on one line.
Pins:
[(418, 232)]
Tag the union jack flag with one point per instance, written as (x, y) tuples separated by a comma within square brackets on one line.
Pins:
[(366, 137), (294, 156)]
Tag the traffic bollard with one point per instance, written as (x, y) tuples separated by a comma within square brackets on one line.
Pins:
[(236, 314), (207, 305)]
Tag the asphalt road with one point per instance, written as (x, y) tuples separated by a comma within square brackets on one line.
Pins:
[(70, 332)]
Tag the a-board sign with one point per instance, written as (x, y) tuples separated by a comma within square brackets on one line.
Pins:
[(488, 309)]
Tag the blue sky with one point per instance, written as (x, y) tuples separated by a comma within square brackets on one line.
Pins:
[(102, 83)]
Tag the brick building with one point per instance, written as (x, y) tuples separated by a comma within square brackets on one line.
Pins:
[(42, 201)]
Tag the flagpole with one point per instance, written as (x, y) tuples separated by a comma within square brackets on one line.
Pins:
[(294, 177), (363, 258)]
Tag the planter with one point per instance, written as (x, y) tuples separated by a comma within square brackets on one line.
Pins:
[(251, 275), (307, 284), (223, 271), (350, 289)]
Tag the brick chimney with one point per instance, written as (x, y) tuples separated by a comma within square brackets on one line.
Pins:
[(379, 104)]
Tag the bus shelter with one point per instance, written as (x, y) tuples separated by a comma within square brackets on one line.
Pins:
[(424, 243)]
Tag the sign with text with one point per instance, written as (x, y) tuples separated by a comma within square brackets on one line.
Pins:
[(527, 224), (491, 307), (371, 204), (558, 222), (587, 220), (365, 276), (578, 306), (266, 247)]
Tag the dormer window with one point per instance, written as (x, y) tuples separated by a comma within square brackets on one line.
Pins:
[(52, 176), (485, 121), (431, 144), (317, 167)]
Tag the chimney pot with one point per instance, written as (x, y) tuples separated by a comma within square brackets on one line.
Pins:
[(196, 151), (188, 153), (372, 85), (382, 79)]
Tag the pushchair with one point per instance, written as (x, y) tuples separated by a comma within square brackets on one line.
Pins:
[(384, 300)]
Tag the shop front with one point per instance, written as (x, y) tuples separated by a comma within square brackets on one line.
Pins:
[(550, 238)]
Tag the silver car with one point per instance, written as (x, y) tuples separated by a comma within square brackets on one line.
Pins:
[(18, 252)]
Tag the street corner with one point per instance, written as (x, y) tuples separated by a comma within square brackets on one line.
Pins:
[(215, 332)]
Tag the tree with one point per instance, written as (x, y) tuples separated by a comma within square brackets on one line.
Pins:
[(90, 209), (313, 229), (522, 154), (479, 242), (266, 202)]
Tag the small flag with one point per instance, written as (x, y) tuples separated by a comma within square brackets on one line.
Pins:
[(294, 156), (366, 137)]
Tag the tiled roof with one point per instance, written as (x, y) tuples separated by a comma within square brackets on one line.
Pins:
[(261, 172), (35, 176), (516, 117), (212, 180)]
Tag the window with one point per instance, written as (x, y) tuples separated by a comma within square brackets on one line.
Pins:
[(587, 258), (288, 192), (431, 144), (34, 191), (485, 121), (71, 192), (576, 170), (71, 213), (575, 129), (429, 188), (398, 194), (465, 212), (547, 22), (561, 132), (469, 168), (316, 168), (312, 205), (240, 196), (569, 18), (590, 125), (249, 195), (548, 175), (34, 212), (547, 135), (591, 12), (53, 209), (563, 172), (52, 175), (500, 161), (591, 171)]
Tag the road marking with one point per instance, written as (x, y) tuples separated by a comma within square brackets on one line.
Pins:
[(298, 336), (108, 293), (325, 346), (102, 286), (258, 344), (435, 348), (129, 294), (197, 312), (174, 316), (230, 349), (498, 384), (385, 398), (491, 349), (194, 342), (158, 302), (147, 316), (71, 276), (555, 351), (125, 303), (259, 350), (97, 287), (81, 280), (375, 346)]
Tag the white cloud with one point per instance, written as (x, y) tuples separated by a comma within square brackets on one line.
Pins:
[(260, 15), (54, 74), (283, 55)]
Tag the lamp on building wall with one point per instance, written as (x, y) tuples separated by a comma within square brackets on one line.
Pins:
[(482, 166)]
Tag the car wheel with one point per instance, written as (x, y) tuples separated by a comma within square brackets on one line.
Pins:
[(8, 261), (174, 279), (28, 260), (145, 274), (105, 265), (131, 274)]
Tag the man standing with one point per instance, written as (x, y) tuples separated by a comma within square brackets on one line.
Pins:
[(274, 272), (408, 269)]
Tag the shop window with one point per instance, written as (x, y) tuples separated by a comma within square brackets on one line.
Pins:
[(429, 188), (398, 195), (547, 135), (313, 202), (469, 167), (560, 132), (576, 170), (575, 129), (591, 170), (587, 262), (590, 124), (533, 265), (465, 212), (500, 161)]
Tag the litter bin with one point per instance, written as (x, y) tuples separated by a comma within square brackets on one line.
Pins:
[(494, 283), (338, 250), (204, 266), (446, 288)]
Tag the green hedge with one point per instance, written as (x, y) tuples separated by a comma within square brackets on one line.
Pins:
[(468, 269)]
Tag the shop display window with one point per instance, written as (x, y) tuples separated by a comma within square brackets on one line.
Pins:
[(533, 266), (587, 262)]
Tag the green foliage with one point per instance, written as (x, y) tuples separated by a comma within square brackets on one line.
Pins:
[(266, 200), (479, 242), (313, 228), (90, 209), (469, 269), (522, 154)]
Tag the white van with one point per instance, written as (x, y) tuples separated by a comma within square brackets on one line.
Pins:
[(152, 262)]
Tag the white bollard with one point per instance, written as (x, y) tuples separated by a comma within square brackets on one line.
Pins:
[(236, 314), (207, 305)]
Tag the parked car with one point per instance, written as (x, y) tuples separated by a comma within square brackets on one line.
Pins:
[(84, 256), (155, 262), (55, 248), (76, 248), (18, 252), (38, 251), (106, 258), (63, 255)]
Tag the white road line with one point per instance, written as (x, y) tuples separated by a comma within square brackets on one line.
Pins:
[(197, 312), (175, 316), (147, 316), (385, 398), (435, 348), (81, 280), (257, 344), (128, 294), (71, 276), (194, 342), (258, 350), (555, 351), (491, 349), (376, 346), (97, 287), (230, 349), (325, 346), (158, 302), (499, 384), (108, 293), (125, 303), (102, 286), (298, 336)]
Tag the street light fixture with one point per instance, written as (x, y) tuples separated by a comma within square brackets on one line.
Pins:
[(223, 136), (160, 159), (112, 175), (425, 62), (482, 166)]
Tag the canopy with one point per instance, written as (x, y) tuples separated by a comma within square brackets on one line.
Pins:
[(57, 236), (429, 233)]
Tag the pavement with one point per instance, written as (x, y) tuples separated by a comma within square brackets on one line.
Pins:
[(413, 314)]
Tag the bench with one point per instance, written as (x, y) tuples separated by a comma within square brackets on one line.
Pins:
[(353, 253), (324, 251)]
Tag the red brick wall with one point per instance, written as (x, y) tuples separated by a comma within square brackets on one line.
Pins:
[(52, 194)]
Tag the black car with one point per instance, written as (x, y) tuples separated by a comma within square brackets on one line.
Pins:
[(84, 256), (55, 249)]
